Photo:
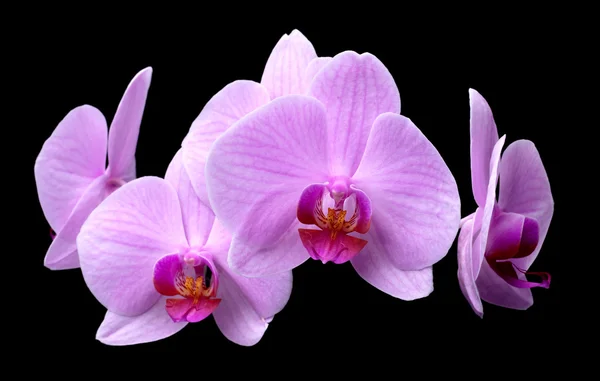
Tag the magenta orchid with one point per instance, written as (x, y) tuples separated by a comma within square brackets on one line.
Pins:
[(289, 70), (153, 254), (499, 241), (337, 175), (70, 170)]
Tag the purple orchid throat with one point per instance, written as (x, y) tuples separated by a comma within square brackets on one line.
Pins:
[(192, 276), (337, 208), (513, 236), (71, 173)]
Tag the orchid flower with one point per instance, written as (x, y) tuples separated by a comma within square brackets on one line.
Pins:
[(338, 176), (499, 241), (70, 171), (156, 258), (289, 69)]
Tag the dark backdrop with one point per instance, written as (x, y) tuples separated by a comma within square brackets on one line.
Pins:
[(82, 61)]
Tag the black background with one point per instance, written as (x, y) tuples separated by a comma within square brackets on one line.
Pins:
[(331, 310)]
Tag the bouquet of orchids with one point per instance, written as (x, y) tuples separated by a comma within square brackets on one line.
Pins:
[(314, 161)]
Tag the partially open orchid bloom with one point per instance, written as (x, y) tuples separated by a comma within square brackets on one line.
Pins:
[(499, 241), (337, 176), (289, 70), (156, 258), (71, 174)]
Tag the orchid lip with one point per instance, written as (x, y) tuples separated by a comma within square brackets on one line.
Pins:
[(507, 270), (192, 277), (513, 236)]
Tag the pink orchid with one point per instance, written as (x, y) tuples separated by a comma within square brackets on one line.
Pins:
[(153, 254), (338, 176), (507, 233), (70, 170), (289, 70)]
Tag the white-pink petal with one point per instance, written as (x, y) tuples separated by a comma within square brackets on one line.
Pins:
[(488, 209), (466, 278), (355, 89), (314, 66), (285, 68), (414, 196), (69, 161), (153, 325), (125, 127), (374, 266), (226, 107), (124, 237), (484, 136), (197, 217), (62, 253)]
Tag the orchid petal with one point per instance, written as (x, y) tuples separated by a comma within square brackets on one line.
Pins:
[(355, 89), (525, 189), (72, 157), (313, 68), (284, 254), (289, 249), (374, 266), (124, 237), (284, 71), (466, 278), (247, 304), (226, 107), (197, 217), (219, 241), (256, 172), (238, 318), (484, 136), (125, 127), (62, 253), (414, 197), (489, 209), (153, 325), (465, 219), (493, 289)]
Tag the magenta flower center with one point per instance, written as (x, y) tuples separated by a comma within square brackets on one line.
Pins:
[(337, 209), (192, 278)]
